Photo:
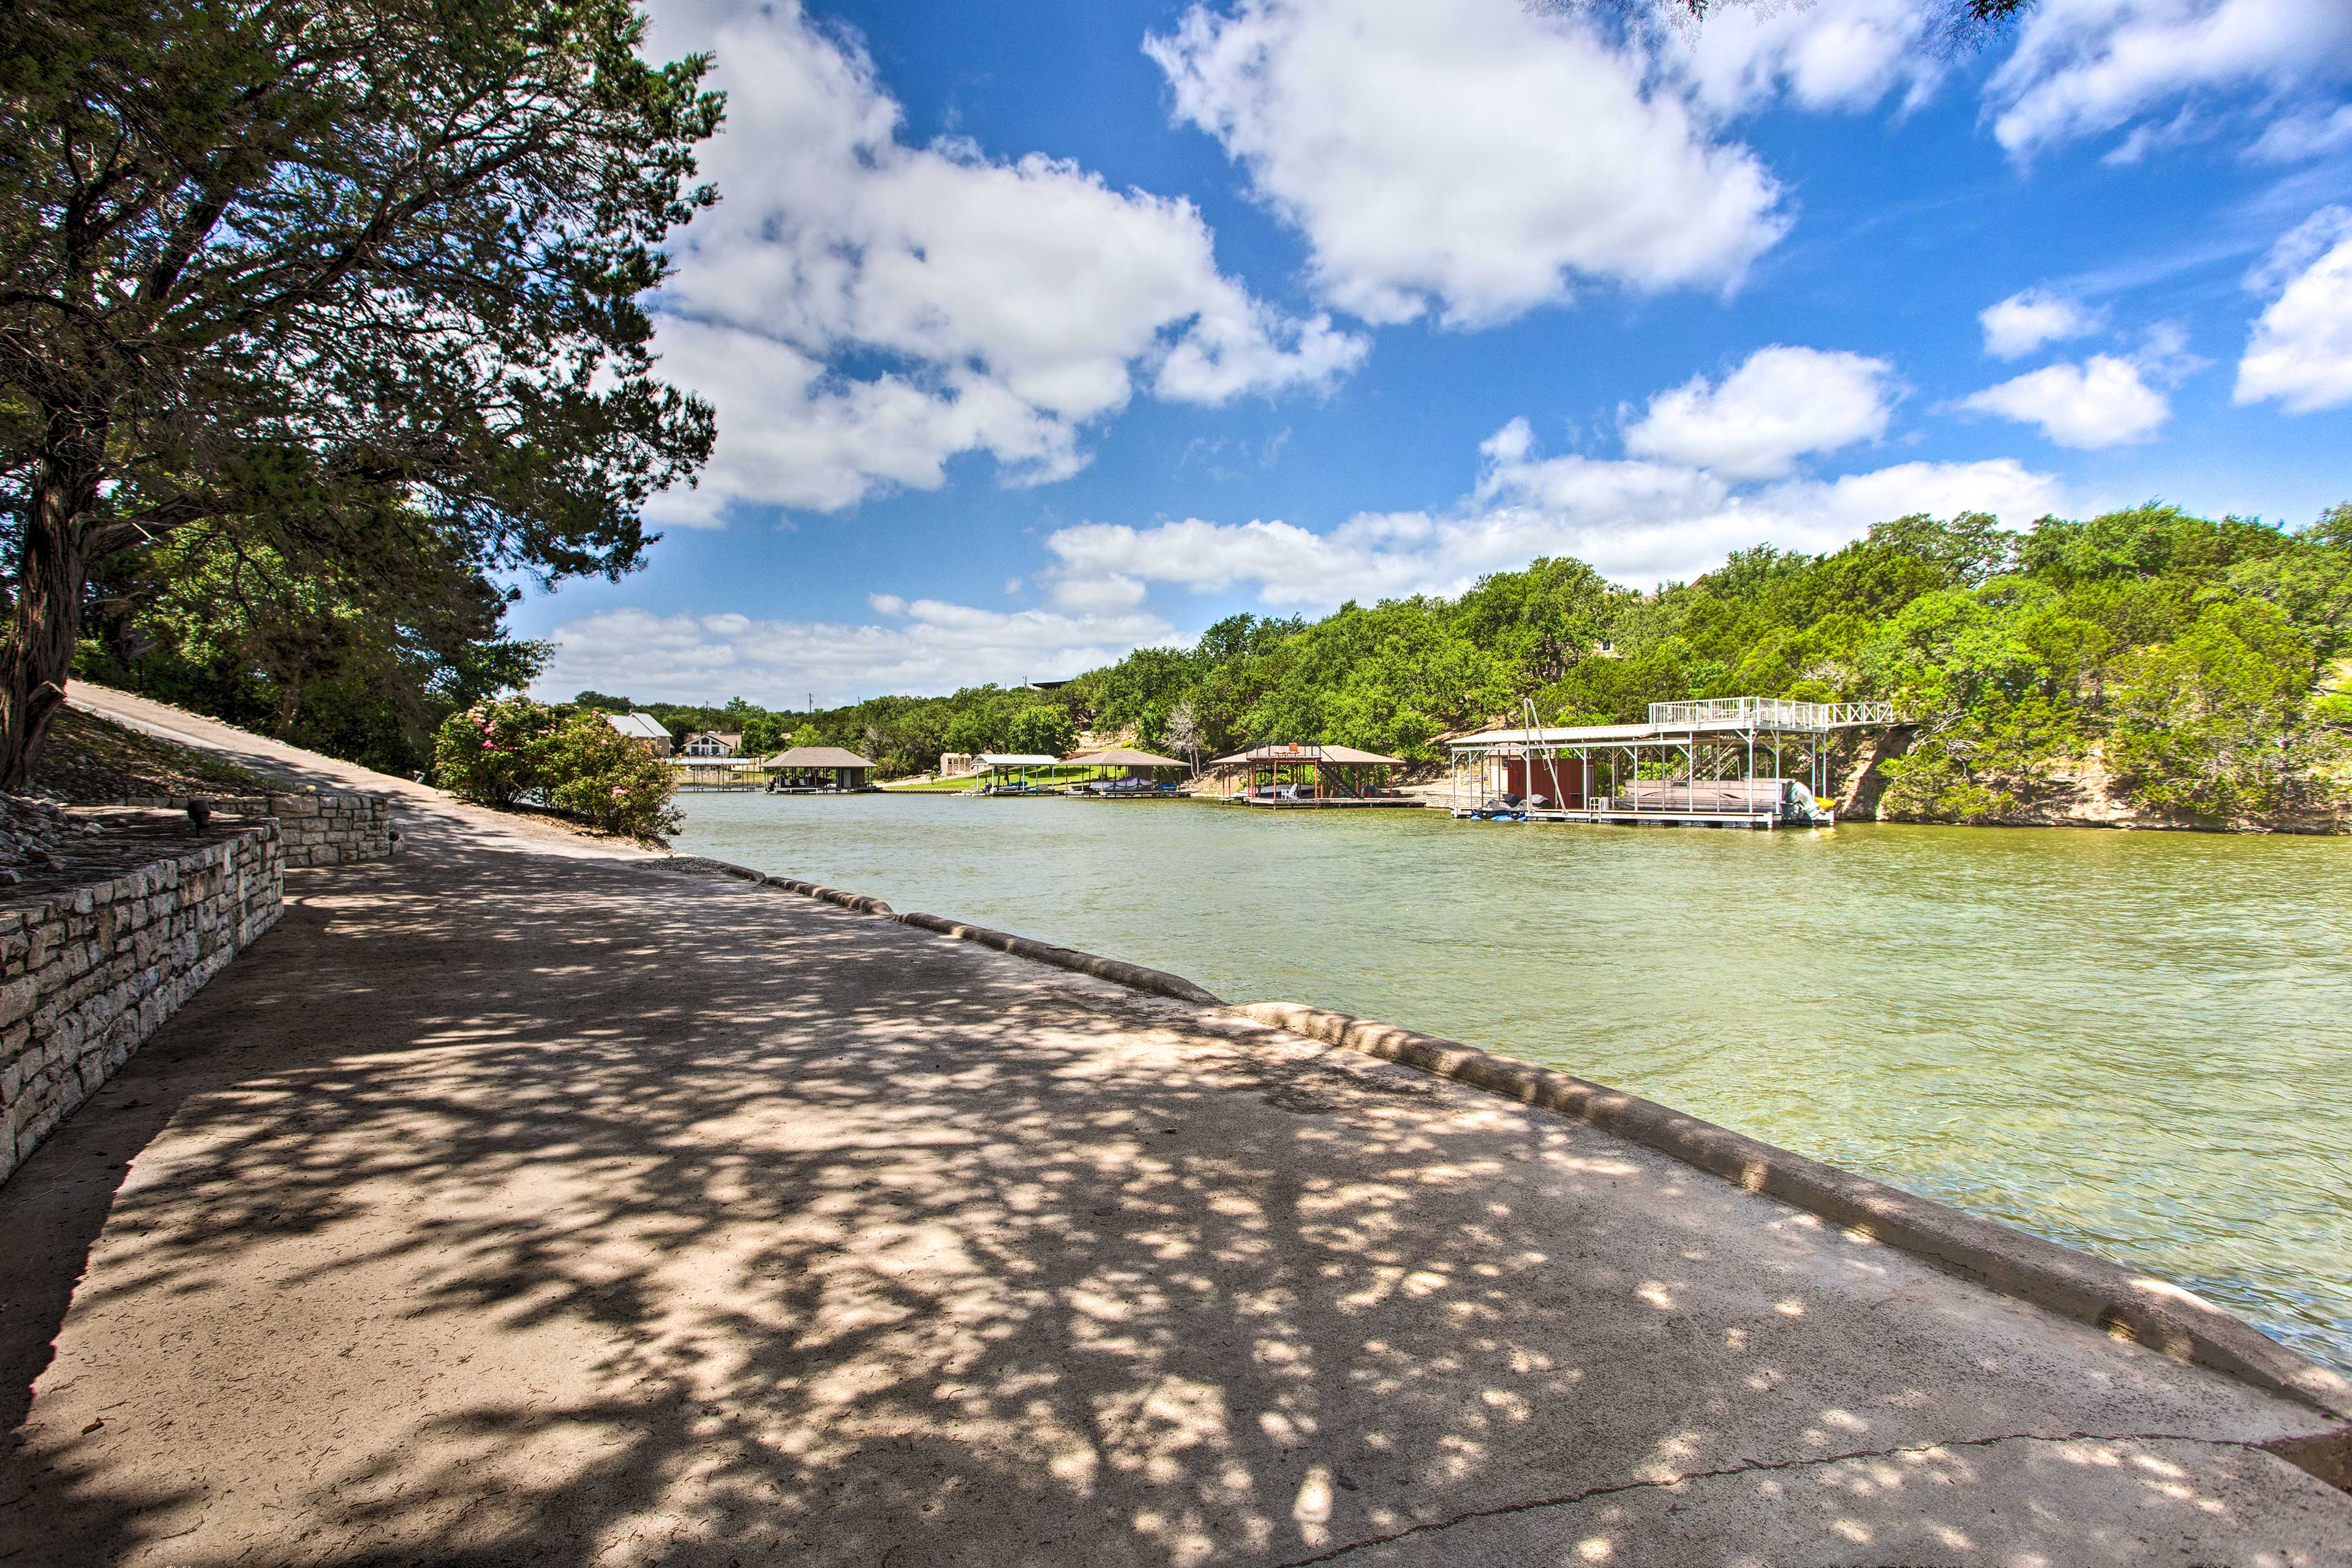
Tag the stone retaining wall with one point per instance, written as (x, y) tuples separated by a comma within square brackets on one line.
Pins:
[(90, 969), (316, 828)]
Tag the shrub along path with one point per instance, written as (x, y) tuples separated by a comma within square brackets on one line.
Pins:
[(518, 1201)]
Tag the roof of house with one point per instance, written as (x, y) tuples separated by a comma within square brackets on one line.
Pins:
[(1123, 757), (1304, 752), (641, 726), (817, 757), (1016, 760)]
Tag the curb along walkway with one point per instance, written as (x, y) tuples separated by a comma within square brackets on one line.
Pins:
[(519, 1201)]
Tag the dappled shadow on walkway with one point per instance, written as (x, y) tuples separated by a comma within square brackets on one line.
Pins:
[(501, 1208)]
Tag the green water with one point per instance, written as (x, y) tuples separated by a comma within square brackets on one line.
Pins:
[(2137, 1043)]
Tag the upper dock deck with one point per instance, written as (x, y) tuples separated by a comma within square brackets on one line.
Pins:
[(1712, 716)]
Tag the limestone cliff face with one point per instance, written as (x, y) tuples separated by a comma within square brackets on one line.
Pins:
[(1865, 782)]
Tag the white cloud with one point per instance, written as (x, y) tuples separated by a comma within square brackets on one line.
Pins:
[(1781, 405), (1639, 522), (924, 647), (2083, 68), (2310, 134), (2103, 402), (1847, 55), (2299, 352), (1475, 156), (861, 310), (2025, 321)]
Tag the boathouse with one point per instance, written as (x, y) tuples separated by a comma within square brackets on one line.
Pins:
[(1745, 761), (1307, 774), (818, 770), (1007, 773), (1145, 775)]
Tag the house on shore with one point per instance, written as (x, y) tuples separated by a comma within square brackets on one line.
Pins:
[(713, 743), (645, 729)]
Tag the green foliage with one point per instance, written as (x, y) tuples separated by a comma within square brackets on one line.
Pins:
[(358, 665), (359, 286), (1041, 731), (764, 734), (502, 752), (603, 703), (592, 772), (2218, 724), (491, 753)]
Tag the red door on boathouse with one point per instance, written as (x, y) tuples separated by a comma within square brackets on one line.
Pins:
[(1560, 780)]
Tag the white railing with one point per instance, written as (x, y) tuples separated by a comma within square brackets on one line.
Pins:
[(1768, 712)]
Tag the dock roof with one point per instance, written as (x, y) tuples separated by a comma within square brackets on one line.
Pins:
[(1304, 752), (1017, 760), (817, 757), (1123, 757)]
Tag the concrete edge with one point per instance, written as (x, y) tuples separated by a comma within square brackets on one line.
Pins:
[(1134, 976), (2146, 1311)]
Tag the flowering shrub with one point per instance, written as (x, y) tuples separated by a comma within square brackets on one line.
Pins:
[(489, 753), (496, 752), (600, 775)]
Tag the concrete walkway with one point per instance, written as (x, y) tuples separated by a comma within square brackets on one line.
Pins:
[(521, 1202)]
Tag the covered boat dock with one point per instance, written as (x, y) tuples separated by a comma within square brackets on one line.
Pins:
[(819, 770), (1739, 762), (1306, 774), (1007, 774), (708, 775), (1146, 775)]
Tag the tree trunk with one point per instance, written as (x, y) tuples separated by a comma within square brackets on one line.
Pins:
[(51, 571)]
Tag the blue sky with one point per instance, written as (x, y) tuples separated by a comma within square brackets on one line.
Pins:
[(1040, 332)]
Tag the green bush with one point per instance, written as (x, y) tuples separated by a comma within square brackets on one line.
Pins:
[(496, 752), (598, 774), (489, 753)]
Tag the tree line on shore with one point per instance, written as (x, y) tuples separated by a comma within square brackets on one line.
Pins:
[(2197, 665)]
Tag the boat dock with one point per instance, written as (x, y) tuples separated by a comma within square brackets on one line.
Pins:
[(1730, 762), (1296, 774)]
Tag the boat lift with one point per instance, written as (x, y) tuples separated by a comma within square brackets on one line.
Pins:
[(1692, 764)]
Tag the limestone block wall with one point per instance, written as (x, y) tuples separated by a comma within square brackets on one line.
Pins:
[(332, 827), (88, 971), (316, 828)]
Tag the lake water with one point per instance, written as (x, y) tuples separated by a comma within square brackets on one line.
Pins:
[(2137, 1043)]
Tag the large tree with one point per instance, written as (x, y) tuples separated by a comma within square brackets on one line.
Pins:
[(330, 277), (357, 662)]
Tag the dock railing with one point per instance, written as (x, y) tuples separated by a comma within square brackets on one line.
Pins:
[(1769, 713)]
